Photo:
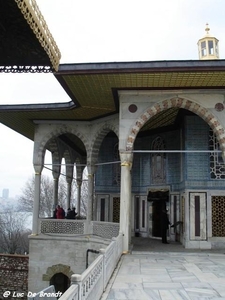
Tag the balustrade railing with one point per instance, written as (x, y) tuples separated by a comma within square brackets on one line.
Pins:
[(106, 230), (62, 226), (71, 294), (92, 282)]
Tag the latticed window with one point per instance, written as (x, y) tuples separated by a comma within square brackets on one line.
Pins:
[(116, 166), (218, 216), (217, 166), (158, 161)]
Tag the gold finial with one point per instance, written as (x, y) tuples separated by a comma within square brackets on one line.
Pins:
[(207, 28)]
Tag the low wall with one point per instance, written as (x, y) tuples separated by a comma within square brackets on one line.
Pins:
[(13, 276), (52, 254), (78, 227)]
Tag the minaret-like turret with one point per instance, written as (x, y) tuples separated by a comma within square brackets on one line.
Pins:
[(208, 47)]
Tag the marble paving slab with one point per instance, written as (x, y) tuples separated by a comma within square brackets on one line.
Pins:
[(168, 276)]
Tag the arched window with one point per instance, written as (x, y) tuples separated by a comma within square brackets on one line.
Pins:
[(158, 161)]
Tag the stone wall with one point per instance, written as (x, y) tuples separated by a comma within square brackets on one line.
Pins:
[(14, 275), (52, 254)]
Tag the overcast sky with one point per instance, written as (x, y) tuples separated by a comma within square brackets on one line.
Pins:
[(103, 31)]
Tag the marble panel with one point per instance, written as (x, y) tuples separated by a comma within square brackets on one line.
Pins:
[(183, 277), (174, 295), (172, 276), (131, 294), (192, 221), (162, 286), (157, 278), (201, 292), (153, 294)]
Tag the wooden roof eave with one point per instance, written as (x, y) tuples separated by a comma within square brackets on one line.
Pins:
[(36, 21), (21, 21), (141, 67)]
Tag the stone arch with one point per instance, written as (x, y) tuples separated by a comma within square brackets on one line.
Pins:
[(98, 138), (59, 268), (194, 107), (56, 132)]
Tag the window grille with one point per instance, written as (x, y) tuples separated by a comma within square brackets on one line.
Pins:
[(158, 161), (217, 166)]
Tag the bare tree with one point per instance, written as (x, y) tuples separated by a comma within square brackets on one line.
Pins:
[(26, 200), (13, 232)]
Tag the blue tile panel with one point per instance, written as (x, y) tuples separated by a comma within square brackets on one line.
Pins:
[(183, 171), (196, 138)]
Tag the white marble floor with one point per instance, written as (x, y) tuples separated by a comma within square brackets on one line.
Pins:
[(168, 276)]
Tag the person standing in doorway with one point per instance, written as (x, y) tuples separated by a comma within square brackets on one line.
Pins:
[(165, 226)]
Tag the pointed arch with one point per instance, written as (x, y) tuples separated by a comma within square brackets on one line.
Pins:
[(98, 138), (55, 133), (194, 107)]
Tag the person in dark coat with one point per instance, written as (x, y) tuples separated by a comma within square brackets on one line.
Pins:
[(71, 214), (165, 226)]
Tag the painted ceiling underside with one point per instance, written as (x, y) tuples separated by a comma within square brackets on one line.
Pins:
[(93, 89)]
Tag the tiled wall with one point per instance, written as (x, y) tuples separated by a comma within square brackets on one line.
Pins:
[(183, 171), (196, 138)]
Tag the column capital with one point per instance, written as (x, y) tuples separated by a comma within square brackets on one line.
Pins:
[(55, 175), (91, 169), (126, 159), (69, 180), (38, 169), (79, 182)]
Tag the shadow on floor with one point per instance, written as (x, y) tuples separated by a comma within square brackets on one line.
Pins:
[(154, 245), (140, 244)]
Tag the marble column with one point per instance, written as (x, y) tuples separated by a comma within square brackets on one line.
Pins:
[(55, 190), (55, 173), (69, 179), (90, 196), (68, 193), (37, 191), (91, 170), (79, 183), (125, 199)]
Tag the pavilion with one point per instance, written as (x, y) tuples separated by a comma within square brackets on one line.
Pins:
[(151, 134)]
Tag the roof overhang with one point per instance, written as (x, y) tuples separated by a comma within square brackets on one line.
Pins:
[(93, 89), (26, 45)]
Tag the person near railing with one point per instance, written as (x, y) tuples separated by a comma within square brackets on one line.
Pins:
[(60, 213), (71, 213)]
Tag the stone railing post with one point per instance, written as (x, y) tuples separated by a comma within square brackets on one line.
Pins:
[(102, 251), (77, 279)]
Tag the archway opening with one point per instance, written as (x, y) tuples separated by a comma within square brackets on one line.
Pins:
[(60, 281)]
